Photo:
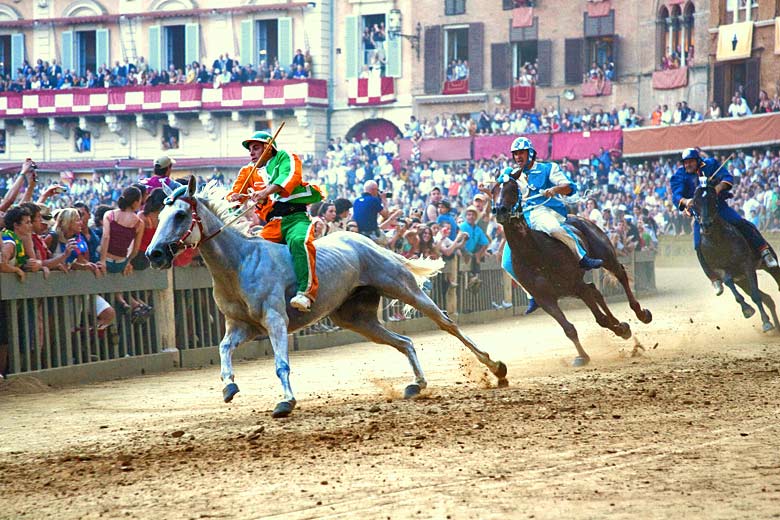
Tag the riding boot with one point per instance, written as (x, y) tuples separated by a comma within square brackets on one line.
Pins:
[(589, 263), (532, 306)]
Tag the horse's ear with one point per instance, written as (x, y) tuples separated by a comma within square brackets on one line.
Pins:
[(166, 189), (192, 187)]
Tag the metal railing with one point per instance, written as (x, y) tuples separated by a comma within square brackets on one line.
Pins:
[(46, 324)]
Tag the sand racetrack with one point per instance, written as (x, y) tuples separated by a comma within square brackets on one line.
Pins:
[(687, 428)]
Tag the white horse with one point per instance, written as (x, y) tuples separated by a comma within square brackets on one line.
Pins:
[(254, 280)]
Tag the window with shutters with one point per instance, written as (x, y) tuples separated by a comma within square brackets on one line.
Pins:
[(5, 54), (524, 62), (511, 4), (374, 48), (456, 53), (174, 47), (267, 42), (600, 55), (85, 53), (453, 7)]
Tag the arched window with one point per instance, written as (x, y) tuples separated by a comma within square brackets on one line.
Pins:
[(664, 34), (688, 34)]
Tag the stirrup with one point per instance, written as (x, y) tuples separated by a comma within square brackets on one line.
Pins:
[(301, 302), (532, 306)]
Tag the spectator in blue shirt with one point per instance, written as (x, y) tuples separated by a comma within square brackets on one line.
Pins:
[(445, 216), (365, 210), (476, 245)]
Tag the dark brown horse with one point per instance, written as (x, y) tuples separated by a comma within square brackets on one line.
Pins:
[(549, 270)]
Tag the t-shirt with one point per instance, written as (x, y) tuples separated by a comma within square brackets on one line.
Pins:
[(364, 212), (477, 237)]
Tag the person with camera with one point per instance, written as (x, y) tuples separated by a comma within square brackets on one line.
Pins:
[(28, 174), (367, 208)]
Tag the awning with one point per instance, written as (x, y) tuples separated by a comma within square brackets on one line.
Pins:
[(716, 134), (735, 41)]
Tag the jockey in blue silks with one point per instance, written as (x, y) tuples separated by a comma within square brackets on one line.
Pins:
[(540, 183), (684, 183)]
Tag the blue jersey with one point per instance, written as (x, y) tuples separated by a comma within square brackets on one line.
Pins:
[(542, 176), (684, 184)]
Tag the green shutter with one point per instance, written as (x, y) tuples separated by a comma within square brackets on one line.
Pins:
[(155, 47), (17, 52), (352, 46), (285, 42), (248, 54), (67, 51), (394, 64), (192, 43), (102, 56)]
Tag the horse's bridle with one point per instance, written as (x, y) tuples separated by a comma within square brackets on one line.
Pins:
[(175, 247), (515, 212)]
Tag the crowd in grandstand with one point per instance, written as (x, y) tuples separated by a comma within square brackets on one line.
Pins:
[(44, 75)]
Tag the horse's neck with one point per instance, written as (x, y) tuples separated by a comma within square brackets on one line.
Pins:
[(523, 243), (224, 252)]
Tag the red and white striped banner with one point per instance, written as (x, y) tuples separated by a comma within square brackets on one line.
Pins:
[(167, 98), (371, 91)]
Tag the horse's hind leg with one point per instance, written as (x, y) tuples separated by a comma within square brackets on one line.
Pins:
[(747, 310), (750, 285), (616, 268), (551, 307), (596, 303), (359, 313), (410, 294)]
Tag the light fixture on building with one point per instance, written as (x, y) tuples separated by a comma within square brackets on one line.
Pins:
[(394, 30)]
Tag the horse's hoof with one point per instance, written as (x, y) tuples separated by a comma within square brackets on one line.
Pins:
[(748, 311), (580, 361), (625, 330), (230, 390), (412, 391), (283, 409), (648, 316), (767, 327), (503, 382), (500, 372)]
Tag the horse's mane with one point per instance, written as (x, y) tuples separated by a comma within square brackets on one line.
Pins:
[(213, 197)]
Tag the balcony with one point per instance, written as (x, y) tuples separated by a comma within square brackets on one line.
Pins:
[(275, 94)]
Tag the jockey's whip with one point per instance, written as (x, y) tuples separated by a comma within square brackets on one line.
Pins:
[(731, 156), (263, 158)]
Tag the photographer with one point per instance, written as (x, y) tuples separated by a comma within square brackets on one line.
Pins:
[(365, 210), (27, 173)]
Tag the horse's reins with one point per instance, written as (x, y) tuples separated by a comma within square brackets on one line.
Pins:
[(197, 221), (731, 156)]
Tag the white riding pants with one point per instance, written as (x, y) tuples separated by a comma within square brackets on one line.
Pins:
[(542, 218)]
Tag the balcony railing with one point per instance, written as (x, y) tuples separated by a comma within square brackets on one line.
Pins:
[(164, 98)]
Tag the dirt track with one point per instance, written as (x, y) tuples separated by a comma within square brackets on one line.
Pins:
[(688, 428)]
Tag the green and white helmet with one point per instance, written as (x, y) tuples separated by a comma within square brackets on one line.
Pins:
[(261, 136)]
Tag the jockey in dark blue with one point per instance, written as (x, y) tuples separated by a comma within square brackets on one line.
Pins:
[(684, 183)]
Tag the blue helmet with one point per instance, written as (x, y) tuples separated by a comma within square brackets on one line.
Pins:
[(523, 143), (691, 153)]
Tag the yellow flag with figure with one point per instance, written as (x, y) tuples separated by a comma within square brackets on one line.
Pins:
[(735, 41)]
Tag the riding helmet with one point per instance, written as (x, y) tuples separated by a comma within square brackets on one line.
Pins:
[(691, 153), (523, 143), (261, 136)]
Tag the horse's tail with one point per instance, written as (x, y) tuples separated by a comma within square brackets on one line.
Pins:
[(422, 268)]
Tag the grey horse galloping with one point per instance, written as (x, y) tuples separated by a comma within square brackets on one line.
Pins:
[(254, 280)]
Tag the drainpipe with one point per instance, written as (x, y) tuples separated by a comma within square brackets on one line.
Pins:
[(331, 69)]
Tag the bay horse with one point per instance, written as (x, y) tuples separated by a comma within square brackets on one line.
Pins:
[(727, 252), (254, 281), (549, 270)]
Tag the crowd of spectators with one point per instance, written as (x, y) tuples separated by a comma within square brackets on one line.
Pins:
[(44, 75), (674, 60), (374, 51)]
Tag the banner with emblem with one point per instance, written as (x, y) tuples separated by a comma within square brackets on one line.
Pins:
[(735, 41)]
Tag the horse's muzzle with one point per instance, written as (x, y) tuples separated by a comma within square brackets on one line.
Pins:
[(160, 257), (502, 214)]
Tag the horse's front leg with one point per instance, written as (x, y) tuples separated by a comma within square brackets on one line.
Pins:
[(747, 310), (276, 324), (235, 334)]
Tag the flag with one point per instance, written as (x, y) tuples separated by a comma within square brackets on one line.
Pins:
[(735, 41), (777, 35)]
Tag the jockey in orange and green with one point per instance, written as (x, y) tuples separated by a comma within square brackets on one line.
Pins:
[(282, 197)]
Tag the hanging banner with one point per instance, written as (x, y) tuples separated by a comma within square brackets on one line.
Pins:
[(735, 41)]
